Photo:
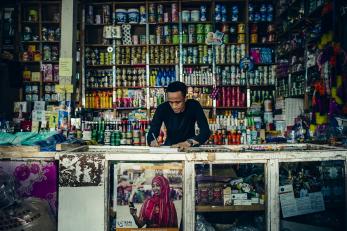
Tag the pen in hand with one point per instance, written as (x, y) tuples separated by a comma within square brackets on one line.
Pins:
[(155, 139)]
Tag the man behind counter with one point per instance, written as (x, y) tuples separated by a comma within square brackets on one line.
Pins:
[(179, 116)]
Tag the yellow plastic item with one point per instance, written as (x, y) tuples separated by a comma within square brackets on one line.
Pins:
[(321, 119)]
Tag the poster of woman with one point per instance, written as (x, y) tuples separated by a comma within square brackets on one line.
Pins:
[(149, 196)]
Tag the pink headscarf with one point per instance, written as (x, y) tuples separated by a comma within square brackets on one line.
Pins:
[(167, 216)]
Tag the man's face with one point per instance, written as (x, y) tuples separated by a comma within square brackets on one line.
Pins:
[(176, 101)]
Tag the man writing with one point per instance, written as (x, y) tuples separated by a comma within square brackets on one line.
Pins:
[(179, 116)]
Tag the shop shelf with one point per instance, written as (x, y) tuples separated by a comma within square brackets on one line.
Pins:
[(194, 44), (264, 44), (57, 41), (163, 45), (234, 208), (200, 85), (30, 22), (230, 22), (163, 64), (50, 61), (132, 45), (230, 108), (96, 45), (50, 82), (129, 108), (50, 22), (131, 65), (98, 88), (234, 85), (94, 24), (130, 87), (100, 66), (205, 22), (163, 23), (197, 64), (227, 64), (31, 41)]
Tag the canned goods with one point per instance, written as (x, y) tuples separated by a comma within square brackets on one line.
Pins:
[(200, 38), (208, 28), (200, 28), (254, 38), (241, 38), (191, 38), (152, 39), (168, 39), (225, 38), (174, 12), (175, 39), (225, 28), (184, 38), (191, 29), (151, 8), (151, 18), (159, 30), (142, 39), (241, 28), (175, 30), (135, 39), (254, 29), (166, 30)]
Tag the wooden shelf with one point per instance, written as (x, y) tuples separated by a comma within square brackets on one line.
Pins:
[(194, 44), (131, 65), (98, 88), (163, 23), (231, 108), (100, 66), (202, 85), (227, 64), (96, 45), (129, 108), (132, 45), (50, 61), (129, 87), (31, 41), (205, 22), (50, 22), (30, 22), (197, 64), (57, 41), (163, 45), (234, 208), (163, 64), (101, 24)]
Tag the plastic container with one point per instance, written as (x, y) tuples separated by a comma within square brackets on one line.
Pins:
[(121, 15), (195, 15), (185, 16), (133, 16)]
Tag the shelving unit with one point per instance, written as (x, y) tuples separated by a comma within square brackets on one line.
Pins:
[(172, 47), (234, 208), (39, 39)]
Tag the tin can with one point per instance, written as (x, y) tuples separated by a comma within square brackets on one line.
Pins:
[(200, 28), (166, 17), (241, 28), (184, 38), (175, 39), (191, 29), (200, 38), (166, 30), (168, 39), (241, 38), (152, 39), (151, 18), (191, 38), (174, 30), (151, 8), (254, 29), (225, 38), (225, 28), (208, 28), (135, 39), (159, 31), (142, 39), (174, 12), (254, 38)]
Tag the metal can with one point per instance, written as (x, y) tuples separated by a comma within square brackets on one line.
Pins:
[(225, 28), (191, 38), (200, 38), (208, 28), (191, 29), (241, 28), (175, 39), (254, 38), (168, 39), (151, 8), (175, 30), (241, 38), (200, 28), (174, 12), (166, 30)]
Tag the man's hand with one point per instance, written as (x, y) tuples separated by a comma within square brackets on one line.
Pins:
[(181, 146), (154, 143)]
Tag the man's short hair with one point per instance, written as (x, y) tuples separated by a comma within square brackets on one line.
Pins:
[(177, 86)]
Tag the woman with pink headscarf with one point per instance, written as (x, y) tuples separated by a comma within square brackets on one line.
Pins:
[(158, 211)]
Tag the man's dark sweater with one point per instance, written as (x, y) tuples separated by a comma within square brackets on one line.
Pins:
[(180, 126)]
